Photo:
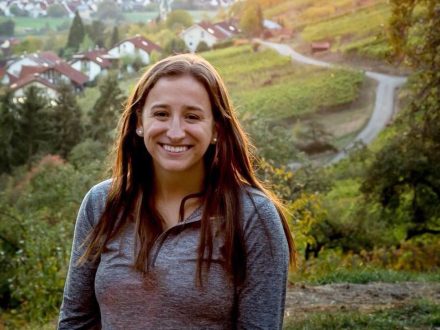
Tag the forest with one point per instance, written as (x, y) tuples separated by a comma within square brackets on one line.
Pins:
[(373, 216)]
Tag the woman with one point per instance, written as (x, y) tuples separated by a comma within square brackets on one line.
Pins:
[(183, 236)]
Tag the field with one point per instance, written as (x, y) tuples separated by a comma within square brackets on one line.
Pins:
[(269, 86), (143, 17), (28, 25)]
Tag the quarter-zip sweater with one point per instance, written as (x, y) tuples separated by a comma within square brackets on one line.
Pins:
[(111, 294)]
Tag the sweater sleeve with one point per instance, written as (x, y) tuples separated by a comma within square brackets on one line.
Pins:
[(79, 309), (261, 298)]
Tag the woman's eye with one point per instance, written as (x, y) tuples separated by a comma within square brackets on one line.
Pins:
[(192, 116), (160, 114)]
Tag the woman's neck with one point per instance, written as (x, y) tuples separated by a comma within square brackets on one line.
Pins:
[(176, 187)]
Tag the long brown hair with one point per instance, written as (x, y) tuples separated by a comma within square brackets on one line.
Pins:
[(228, 169)]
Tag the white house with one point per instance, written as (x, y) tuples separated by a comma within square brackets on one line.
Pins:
[(208, 33), (137, 46), (19, 88), (91, 63), (36, 59)]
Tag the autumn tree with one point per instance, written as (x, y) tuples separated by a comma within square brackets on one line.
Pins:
[(251, 21), (405, 177), (178, 19)]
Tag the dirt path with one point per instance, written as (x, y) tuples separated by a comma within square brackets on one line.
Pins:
[(384, 103), (302, 299)]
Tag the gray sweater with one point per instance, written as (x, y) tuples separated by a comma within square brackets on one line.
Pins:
[(110, 294)]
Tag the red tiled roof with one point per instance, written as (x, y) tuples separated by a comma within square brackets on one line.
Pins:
[(31, 78), (76, 76), (27, 70), (49, 58), (213, 30), (142, 43), (230, 26), (96, 56)]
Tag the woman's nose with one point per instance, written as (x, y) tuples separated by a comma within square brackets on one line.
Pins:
[(175, 130)]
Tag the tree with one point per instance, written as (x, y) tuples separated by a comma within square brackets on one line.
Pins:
[(34, 127), (404, 179), (87, 44), (56, 10), (7, 28), (76, 33), (109, 10), (114, 39), (202, 47), (29, 44), (8, 127), (251, 21), (106, 111), (96, 32), (175, 46), (179, 19), (67, 126)]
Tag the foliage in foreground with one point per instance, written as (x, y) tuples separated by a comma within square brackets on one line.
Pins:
[(418, 315)]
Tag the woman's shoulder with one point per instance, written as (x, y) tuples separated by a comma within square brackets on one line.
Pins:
[(95, 200), (254, 197)]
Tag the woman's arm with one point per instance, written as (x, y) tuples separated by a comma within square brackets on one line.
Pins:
[(261, 298), (79, 309)]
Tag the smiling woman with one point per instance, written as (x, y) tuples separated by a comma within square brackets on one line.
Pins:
[(183, 236)]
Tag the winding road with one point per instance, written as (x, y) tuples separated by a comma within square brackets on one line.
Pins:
[(384, 103)]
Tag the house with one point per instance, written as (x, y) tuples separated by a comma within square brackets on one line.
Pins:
[(18, 88), (36, 59), (48, 66), (92, 63), (135, 47), (208, 33)]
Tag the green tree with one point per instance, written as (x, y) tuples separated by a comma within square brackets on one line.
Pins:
[(251, 21), (175, 46), (29, 44), (96, 32), (8, 127), (33, 134), (202, 47), (67, 126), (87, 44), (179, 19), (109, 10), (114, 38), (106, 110), (76, 33), (56, 10), (404, 179), (7, 28)]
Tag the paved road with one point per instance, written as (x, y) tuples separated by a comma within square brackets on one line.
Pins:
[(384, 103)]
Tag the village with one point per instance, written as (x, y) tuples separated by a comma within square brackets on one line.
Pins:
[(47, 70)]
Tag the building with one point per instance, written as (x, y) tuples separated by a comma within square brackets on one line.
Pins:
[(135, 47), (208, 33), (92, 63)]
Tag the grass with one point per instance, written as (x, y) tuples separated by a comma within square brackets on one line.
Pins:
[(367, 275), (269, 86), (145, 16), (422, 314), (27, 25), (361, 23)]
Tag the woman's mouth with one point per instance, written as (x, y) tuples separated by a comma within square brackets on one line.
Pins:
[(175, 149)]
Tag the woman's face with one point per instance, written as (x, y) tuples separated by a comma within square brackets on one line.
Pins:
[(178, 125)]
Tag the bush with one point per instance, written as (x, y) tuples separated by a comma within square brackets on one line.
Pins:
[(202, 47)]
